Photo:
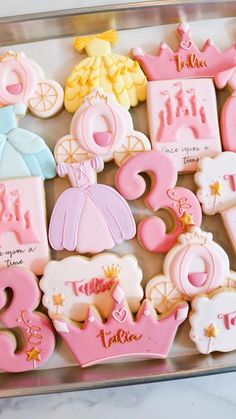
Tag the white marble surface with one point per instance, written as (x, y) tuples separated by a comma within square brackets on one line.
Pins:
[(212, 396)]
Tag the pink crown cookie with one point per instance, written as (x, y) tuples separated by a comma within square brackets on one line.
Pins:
[(213, 321), (188, 61), (181, 202), (121, 335), (34, 328), (101, 127), (23, 81), (183, 120), (23, 234), (216, 181), (89, 217), (74, 283)]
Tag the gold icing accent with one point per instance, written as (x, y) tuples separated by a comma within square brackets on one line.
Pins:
[(9, 55), (33, 354), (112, 271), (187, 220), (211, 331), (216, 188), (58, 299), (82, 41)]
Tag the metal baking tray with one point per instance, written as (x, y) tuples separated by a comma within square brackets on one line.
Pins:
[(36, 28)]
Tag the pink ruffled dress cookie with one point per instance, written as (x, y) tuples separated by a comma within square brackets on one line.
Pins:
[(89, 217)]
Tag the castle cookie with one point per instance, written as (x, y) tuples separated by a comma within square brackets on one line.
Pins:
[(23, 233)]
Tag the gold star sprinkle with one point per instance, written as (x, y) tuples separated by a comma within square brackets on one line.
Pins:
[(187, 220), (216, 188), (211, 331), (34, 354), (58, 299)]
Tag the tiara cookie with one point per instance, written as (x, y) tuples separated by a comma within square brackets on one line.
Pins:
[(188, 61), (121, 335)]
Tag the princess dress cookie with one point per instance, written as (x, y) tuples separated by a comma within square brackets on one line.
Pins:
[(213, 321), (22, 153), (183, 120), (121, 335), (217, 189), (114, 73), (74, 283), (89, 217), (23, 81), (23, 233), (101, 127), (34, 342), (196, 264), (181, 203)]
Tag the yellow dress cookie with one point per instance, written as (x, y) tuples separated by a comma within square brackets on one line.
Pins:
[(116, 74)]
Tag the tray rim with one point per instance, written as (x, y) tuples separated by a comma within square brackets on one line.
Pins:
[(18, 29)]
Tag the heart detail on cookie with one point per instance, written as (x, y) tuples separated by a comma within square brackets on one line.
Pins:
[(120, 315), (186, 44)]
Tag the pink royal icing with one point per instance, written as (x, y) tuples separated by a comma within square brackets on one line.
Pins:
[(196, 264), (182, 203), (34, 327), (121, 335), (188, 61), (183, 120), (89, 217), (227, 124)]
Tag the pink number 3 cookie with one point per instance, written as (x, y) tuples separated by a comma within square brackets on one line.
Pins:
[(37, 338), (181, 202)]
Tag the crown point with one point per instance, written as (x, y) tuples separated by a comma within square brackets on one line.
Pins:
[(183, 28), (146, 313), (163, 45), (209, 42), (91, 319)]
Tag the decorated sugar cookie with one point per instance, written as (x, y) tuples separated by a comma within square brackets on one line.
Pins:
[(23, 233), (115, 73), (230, 280), (101, 127), (196, 264), (181, 203), (22, 153), (188, 61), (74, 283), (120, 336), (23, 81), (227, 123), (35, 340), (217, 189), (89, 217), (183, 120), (213, 321), (163, 293)]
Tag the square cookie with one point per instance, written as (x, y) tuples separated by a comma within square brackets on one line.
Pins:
[(23, 232), (183, 120)]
